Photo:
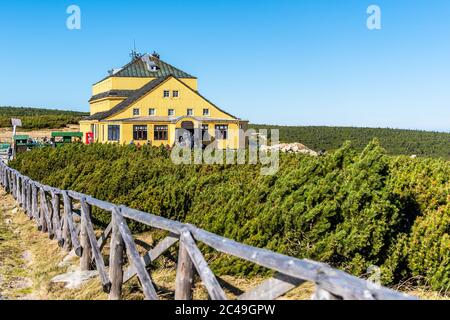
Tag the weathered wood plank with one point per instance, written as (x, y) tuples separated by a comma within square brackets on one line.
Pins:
[(35, 208), (272, 288), (99, 263), (70, 225), (86, 257), (23, 194), (18, 189), (42, 214), (56, 218), (215, 291), (322, 294), (334, 281), (152, 254), (184, 280), (104, 236), (135, 258), (152, 220), (46, 214), (116, 261), (29, 200)]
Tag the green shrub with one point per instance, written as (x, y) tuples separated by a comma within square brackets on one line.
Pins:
[(350, 209)]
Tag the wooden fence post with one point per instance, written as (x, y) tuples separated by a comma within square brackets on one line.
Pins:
[(34, 203), (185, 274), (29, 200), (14, 182), (67, 215), (18, 189), (43, 215), (6, 182), (24, 194), (99, 262), (86, 257), (116, 261), (134, 257), (56, 220)]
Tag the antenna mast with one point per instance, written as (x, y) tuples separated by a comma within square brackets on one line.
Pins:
[(134, 54)]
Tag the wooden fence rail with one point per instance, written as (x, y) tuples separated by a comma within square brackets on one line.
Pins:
[(73, 230)]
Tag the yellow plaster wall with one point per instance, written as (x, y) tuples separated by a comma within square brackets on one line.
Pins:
[(130, 83), (104, 104)]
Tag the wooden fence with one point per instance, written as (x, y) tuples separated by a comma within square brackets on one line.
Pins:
[(52, 210)]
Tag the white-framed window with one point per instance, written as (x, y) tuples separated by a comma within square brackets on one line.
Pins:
[(190, 112), (135, 111), (160, 132), (206, 112), (221, 131), (171, 112), (205, 133), (139, 132), (175, 94), (113, 132), (166, 94), (151, 111)]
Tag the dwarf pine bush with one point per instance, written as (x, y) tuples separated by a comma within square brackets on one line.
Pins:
[(350, 209)]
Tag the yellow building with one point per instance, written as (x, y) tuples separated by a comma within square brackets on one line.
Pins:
[(148, 101)]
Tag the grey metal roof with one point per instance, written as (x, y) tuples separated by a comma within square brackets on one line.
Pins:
[(112, 93), (171, 119), (138, 68), (136, 95)]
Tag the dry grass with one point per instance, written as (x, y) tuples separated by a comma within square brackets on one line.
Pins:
[(28, 276)]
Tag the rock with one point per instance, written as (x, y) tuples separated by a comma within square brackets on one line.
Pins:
[(67, 261), (75, 279), (290, 148), (27, 256), (8, 221), (15, 210)]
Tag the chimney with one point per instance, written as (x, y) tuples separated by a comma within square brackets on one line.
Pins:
[(155, 56)]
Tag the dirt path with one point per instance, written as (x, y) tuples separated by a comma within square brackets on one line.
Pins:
[(15, 258)]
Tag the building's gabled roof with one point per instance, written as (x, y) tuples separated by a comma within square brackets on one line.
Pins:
[(138, 68), (172, 119), (112, 93), (138, 94)]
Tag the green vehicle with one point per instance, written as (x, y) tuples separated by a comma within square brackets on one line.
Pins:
[(4, 149), (61, 138), (20, 143)]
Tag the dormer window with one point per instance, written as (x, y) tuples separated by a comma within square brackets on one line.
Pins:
[(171, 112), (190, 112), (205, 112), (135, 112), (175, 94), (166, 94)]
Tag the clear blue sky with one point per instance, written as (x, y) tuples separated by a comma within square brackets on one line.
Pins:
[(281, 62)]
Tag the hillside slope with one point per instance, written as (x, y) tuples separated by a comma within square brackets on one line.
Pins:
[(36, 118), (395, 141)]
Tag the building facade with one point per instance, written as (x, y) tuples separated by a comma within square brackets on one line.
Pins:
[(148, 101)]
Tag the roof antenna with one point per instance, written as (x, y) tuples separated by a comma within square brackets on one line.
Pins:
[(134, 54)]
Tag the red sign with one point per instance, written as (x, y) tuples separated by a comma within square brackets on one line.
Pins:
[(89, 137)]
